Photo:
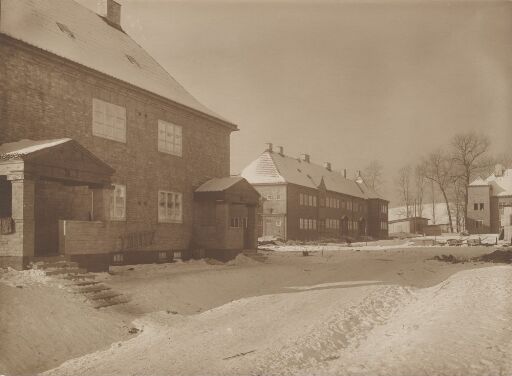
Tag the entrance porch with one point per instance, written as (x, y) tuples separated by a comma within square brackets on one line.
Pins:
[(225, 217), (43, 185)]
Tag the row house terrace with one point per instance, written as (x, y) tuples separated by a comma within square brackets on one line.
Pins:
[(302, 200)]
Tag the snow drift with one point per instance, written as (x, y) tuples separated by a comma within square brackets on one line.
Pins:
[(461, 326)]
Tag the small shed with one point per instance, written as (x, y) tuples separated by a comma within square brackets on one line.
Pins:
[(432, 230), (410, 225), (225, 217)]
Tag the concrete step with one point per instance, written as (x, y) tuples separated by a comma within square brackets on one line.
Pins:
[(92, 289), (85, 283), (104, 295), (109, 303), (78, 277)]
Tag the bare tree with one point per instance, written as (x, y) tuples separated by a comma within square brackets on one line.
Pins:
[(419, 190), (373, 175), (404, 186), (438, 168), (469, 152)]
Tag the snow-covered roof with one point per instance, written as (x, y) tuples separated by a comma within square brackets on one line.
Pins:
[(72, 31), (501, 185), (478, 182), (219, 184), (275, 168), (26, 147)]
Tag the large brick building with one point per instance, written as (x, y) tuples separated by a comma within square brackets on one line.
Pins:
[(487, 199), (101, 149), (302, 200)]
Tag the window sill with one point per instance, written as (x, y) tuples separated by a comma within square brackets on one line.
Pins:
[(117, 219), (170, 221), (169, 153)]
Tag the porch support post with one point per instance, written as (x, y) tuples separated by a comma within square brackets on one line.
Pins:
[(251, 226), (23, 201)]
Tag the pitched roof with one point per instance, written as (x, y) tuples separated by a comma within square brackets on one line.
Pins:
[(275, 168), (501, 185), (478, 182), (25, 147), (70, 30), (219, 184)]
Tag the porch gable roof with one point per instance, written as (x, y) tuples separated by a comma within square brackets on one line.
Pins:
[(58, 159)]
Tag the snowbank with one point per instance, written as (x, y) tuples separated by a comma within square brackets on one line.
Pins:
[(461, 326), (13, 278)]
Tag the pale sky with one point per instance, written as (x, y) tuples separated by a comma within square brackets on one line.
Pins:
[(346, 82)]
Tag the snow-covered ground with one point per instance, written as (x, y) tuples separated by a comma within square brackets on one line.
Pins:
[(461, 326), (417, 242)]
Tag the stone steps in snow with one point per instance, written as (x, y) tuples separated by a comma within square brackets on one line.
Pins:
[(109, 303), (91, 289), (104, 295)]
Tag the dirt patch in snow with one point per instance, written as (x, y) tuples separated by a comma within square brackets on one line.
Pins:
[(498, 256)]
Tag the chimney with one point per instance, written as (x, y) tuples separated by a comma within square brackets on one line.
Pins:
[(110, 10), (498, 170), (345, 173), (359, 178), (305, 157), (269, 147), (328, 166), (281, 150)]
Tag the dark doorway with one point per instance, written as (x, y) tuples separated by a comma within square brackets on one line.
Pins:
[(46, 231), (362, 227), (5, 198)]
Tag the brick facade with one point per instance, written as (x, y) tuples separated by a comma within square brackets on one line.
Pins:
[(479, 210), (47, 97)]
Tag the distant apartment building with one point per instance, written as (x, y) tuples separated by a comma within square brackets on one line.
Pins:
[(302, 200), (487, 199)]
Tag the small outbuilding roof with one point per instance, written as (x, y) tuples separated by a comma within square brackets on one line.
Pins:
[(61, 159), (22, 148), (219, 184)]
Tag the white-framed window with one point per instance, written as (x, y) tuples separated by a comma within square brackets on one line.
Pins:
[(108, 120), (170, 138), (170, 207), (118, 258), (278, 223), (278, 195), (270, 197), (301, 199), (235, 222), (301, 223), (118, 203), (162, 255)]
